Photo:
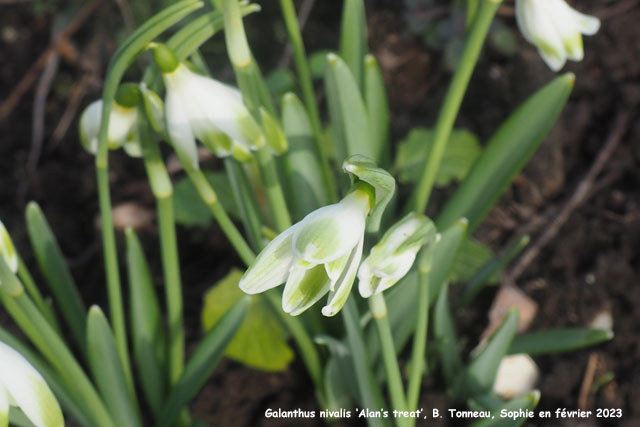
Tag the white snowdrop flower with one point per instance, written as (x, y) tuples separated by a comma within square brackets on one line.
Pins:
[(122, 126), (555, 28), (392, 257), (7, 250), (22, 386), (318, 255), (123, 122), (517, 375), (199, 107)]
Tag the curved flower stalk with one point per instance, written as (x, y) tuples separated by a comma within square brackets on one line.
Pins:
[(392, 257), (318, 255), (199, 107), (123, 122), (556, 29), (7, 250), (22, 386)]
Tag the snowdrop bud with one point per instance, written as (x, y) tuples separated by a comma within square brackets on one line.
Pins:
[(517, 374), (7, 250), (122, 126), (235, 36), (318, 255), (392, 257), (22, 386), (555, 28)]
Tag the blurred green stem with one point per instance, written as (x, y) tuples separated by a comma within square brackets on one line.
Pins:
[(306, 84), (378, 308), (245, 202), (172, 285), (273, 189), (449, 112), (114, 290), (210, 198), (419, 342)]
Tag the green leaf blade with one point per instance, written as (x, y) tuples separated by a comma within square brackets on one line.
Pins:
[(147, 330), (108, 371), (562, 340), (57, 274), (507, 152)]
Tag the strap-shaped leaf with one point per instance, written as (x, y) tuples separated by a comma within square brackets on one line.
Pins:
[(204, 360), (350, 123), (507, 152), (445, 337), (353, 37), (303, 172), (55, 271), (147, 330), (375, 97), (559, 340), (444, 255), (362, 168), (108, 371), (479, 375)]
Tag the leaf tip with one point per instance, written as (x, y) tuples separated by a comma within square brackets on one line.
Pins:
[(569, 78)]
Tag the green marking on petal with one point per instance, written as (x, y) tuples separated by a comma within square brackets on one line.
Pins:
[(304, 288)]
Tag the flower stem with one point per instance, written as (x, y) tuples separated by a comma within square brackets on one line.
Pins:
[(378, 308), (245, 202), (210, 198), (419, 342), (304, 78), (453, 100), (369, 390), (303, 341), (114, 290), (273, 189), (172, 286)]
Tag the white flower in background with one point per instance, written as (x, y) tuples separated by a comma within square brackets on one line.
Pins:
[(517, 374), (319, 254), (555, 28), (7, 250), (123, 129), (202, 108), (22, 386), (392, 257)]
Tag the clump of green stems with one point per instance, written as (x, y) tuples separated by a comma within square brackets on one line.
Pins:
[(356, 364)]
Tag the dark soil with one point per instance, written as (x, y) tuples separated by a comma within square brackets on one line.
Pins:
[(592, 265)]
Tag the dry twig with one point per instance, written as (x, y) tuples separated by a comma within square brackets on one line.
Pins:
[(579, 196), (6, 108)]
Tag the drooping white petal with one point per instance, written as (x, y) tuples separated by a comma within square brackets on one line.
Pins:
[(90, 126), (343, 286), (271, 267), (121, 123), (332, 231), (555, 28), (336, 267), (179, 129), (28, 389), (588, 25), (304, 288)]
